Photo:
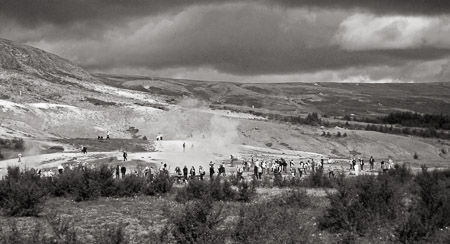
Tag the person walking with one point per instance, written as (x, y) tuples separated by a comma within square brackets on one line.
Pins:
[(125, 156)]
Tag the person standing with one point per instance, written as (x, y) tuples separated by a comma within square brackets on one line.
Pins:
[(123, 170), (211, 171), (117, 172), (184, 146), (255, 169), (383, 166), (222, 170), (125, 156), (146, 169), (178, 173), (260, 170), (240, 171), (201, 172), (60, 169), (185, 173), (357, 169), (192, 172), (371, 162), (20, 157)]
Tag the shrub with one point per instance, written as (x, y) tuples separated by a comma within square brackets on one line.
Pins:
[(21, 193), (294, 198), (19, 144), (111, 234), (338, 134), (161, 184), (56, 148), (345, 134), (144, 138), (416, 156), (317, 179), (312, 119), (431, 211), (197, 223), (60, 230), (130, 185), (245, 191), (270, 222), (401, 173), (215, 190), (362, 203)]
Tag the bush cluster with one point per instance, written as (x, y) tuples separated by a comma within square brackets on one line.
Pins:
[(215, 190), (57, 229), (197, 222), (396, 205), (23, 192), (16, 143), (275, 221), (84, 184), (271, 221), (316, 179)]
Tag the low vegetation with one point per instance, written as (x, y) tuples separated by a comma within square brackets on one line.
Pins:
[(396, 206)]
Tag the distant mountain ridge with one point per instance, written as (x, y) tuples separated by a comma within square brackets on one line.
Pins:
[(20, 58)]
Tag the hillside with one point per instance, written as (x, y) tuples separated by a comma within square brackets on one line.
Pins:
[(52, 103), (22, 59), (333, 99)]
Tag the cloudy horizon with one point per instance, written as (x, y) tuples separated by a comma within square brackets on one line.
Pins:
[(242, 41)]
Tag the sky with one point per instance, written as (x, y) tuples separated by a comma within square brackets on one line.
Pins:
[(243, 41)]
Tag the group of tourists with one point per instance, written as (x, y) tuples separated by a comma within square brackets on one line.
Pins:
[(357, 165), (279, 166)]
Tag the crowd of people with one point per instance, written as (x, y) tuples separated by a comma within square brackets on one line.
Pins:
[(256, 168)]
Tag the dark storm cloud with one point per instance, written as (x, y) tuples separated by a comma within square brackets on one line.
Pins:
[(62, 12), (413, 7), (240, 38), (246, 40)]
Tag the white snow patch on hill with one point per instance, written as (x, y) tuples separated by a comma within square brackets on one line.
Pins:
[(7, 105)]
